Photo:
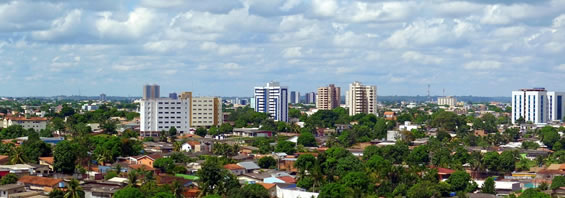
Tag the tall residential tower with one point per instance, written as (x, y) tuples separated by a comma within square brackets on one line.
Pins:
[(328, 97), (273, 100), (537, 105), (361, 99)]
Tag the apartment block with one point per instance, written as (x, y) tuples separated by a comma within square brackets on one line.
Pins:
[(310, 98), (36, 123), (205, 111), (361, 99), (447, 101), (328, 98), (537, 105), (273, 100), (151, 91), (164, 113)]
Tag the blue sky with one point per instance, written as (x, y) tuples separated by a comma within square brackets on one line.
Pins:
[(225, 47)]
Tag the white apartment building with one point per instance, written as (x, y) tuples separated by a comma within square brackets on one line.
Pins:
[(273, 100), (160, 114), (537, 105), (205, 111), (36, 123), (361, 99), (447, 101)]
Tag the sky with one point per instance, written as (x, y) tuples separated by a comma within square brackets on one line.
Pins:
[(226, 47)]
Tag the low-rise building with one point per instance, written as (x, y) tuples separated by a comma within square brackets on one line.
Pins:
[(36, 123), (235, 169), (251, 132), (44, 184), (9, 189)]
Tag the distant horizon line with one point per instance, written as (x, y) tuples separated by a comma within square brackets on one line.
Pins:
[(252, 96)]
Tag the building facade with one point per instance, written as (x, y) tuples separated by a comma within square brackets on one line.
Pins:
[(537, 105), (273, 100), (310, 98), (361, 99), (328, 98), (36, 123), (151, 91), (164, 113), (294, 97), (205, 111), (449, 101)]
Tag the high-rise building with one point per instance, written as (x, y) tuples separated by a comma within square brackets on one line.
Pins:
[(102, 97), (173, 95), (294, 97), (537, 105), (158, 114), (328, 98), (273, 100), (310, 98), (205, 111), (449, 101), (361, 99), (151, 91)]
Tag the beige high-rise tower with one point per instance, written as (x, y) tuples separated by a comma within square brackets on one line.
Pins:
[(328, 97), (361, 99), (205, 111)]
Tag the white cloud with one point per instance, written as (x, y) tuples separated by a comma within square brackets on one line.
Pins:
[(482, 65), (138, 22), (418, 57), (324, 8), (292, 52), (60, 27), (560, 67)]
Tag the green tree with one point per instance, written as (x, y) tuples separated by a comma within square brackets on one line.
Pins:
[(305, 163), (423, 189), (225, 128), (172, 132), (56, 193), (267, 162), (507, 161), (357, 181), (558, 181), (163, 195), (214, 179), (533, 193), (64, 157), (128, 192), (250, 191), (488, 186), (549, 136), (74, 190), (459, 180), (9, 178), (17, 156), (200, 131), (294, 113), (165, 164), (333, 190), (491, 161), (307, 139), (285, 147)]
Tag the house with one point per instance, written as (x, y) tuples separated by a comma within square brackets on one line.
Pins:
[(251, 132), (321, 132), (30, 194), (4, 159), (293, 192), (191, 146), (235, 169), (503, 187), (9, 189), (48, 161), (249, 166), (408, 126), (390, 115), (100, 189), (271, 188), (36, 123), (133, 167), (287, 163), (158, 147), (45, 184), (392, 136), (339, 128), (288, 179), (144, 159), (444, 173), (252, 178)]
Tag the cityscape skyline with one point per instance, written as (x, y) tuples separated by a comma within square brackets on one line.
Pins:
[(85, 48)]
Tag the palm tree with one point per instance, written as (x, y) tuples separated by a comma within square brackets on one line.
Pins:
[(177, 146), (177, 189), (17, 156), (132, 178), (104, 157), (74, 190)]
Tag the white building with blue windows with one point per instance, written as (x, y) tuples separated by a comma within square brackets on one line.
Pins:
[(537, 105), (273, 100)]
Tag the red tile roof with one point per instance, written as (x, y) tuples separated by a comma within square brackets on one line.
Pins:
[(267, 186), (142, 167), (233, 167), (48, 160), (444, 171), (39, 181), (26, 119), (288, 179)]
